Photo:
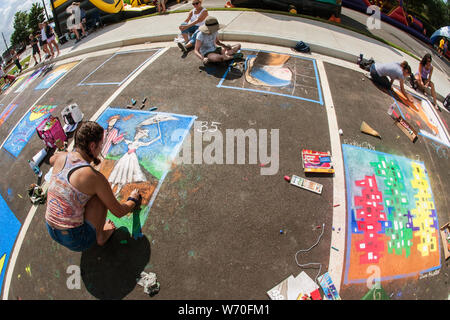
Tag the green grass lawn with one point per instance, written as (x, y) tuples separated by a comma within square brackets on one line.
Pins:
[(22, 63)]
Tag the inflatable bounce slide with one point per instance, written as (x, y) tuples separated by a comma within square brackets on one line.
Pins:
[(107, 11), (392, 12)]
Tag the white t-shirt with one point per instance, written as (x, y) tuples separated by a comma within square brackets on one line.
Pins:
[(208, 42), (43, 35)]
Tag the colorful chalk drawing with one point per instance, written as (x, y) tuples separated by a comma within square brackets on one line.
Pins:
[(275, 73), (10, 229), (25, 129), (30, 79), (392, 219), (7, 112), (54, 75), (140, 148), (423, 118)]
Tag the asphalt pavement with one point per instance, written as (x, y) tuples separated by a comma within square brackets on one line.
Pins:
[(220, 230)]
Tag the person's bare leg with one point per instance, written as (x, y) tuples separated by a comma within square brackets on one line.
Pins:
[(83, 31), (56, 46), (420, 86), (95, 213), (433, 94), (215, 57), (234, 49)]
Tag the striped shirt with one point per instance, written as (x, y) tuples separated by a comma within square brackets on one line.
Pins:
[(65, 204), (110, 137)]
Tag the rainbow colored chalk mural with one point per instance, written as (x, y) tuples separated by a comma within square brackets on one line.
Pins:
[(7, 112), (25, 129), (139, 148), (392, 219)]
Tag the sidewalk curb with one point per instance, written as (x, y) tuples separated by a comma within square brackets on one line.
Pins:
[(224, 36)]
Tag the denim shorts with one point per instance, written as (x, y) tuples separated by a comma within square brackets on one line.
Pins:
[(190, 30), (76, 239)]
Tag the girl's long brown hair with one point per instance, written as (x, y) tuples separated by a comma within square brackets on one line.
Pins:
[(87, 132)]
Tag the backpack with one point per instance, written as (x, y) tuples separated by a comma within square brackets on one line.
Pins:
[(302, 47), (447, 102), (50, 130), (366, 64)]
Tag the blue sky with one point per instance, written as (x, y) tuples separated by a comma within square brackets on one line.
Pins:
[(7, 10)]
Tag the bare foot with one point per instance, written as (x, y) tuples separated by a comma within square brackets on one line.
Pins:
[(107, 232)]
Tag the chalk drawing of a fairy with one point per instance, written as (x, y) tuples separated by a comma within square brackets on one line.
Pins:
[(127, 169)]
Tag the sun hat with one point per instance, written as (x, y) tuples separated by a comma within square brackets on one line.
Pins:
[(211, 25)]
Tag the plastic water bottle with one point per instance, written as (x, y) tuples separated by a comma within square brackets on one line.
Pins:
[(35, 168)]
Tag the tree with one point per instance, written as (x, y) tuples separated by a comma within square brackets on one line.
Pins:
[(35, 16), (21, 33)]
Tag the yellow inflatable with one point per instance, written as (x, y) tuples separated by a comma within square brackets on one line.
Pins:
[(109, 6)]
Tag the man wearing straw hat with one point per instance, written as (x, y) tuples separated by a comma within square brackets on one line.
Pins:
[(208, 47)]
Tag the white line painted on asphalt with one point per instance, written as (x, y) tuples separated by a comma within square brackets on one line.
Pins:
[(336, 263), (32, 212)]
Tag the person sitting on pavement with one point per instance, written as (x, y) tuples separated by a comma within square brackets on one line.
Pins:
[(9, 78), (423, 77), (380, 72), (35, 47), (51, 39), (195, 19), (208, 48), (75, 10), (79, 196)]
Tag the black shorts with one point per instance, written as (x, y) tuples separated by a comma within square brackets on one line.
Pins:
[(218, 50), (36, 50)]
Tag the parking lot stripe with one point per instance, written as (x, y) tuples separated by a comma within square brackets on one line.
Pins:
[(336, 262)]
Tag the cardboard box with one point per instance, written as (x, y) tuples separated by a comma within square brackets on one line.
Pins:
[(445, 233), (407, 129)]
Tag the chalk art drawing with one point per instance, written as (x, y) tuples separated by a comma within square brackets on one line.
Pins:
[(7, 112), (25, 129), (54, 75), (30, 79), (275, 73), (142, 157), (9, 230), (423, 118), (392, 219)]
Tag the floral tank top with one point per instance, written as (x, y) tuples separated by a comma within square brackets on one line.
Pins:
[(65, 204)]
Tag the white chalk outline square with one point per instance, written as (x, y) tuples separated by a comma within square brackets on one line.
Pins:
[(83, 83)]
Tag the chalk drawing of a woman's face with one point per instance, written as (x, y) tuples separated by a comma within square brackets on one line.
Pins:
[(141, 133), (112, 121)]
